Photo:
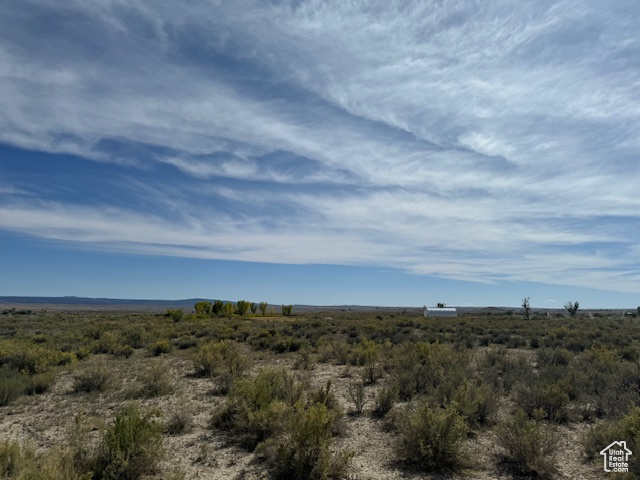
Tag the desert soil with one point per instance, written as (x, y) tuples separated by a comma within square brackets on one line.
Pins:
[(55, 418)]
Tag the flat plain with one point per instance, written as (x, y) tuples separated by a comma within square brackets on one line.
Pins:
[(342, 393)]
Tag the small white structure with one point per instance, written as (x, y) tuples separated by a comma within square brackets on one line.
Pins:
[(440, 312)]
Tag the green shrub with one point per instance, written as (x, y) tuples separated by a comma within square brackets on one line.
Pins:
[(159, 347), (625, 429), (12, 385), (431, 436), (223, 359), (423, 367), (131, 447), (357, 396), (302, 450), (367, 355), (185, 341), (529, 446), (123, 350), (326, 396), (477, 403), (39, 383), (96, 378), (176, 314), (29, 358), (179, 420), (258, 407), (305, 360), (386, 398), (556, 356), (540, 395), (106, 342), (605, 383), (21, 462), (135, 336), (156, 381), (501, 370)]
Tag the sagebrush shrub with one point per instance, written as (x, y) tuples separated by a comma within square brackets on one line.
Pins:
[(123, 350), (135, 336), (528, 445), (156, 381), (12, 385), (96, 378), (159, 347), (179, 421), (367, 354), (541, 395), (29, 358), (386, 398), (176, 314), (257, 407), (131, 446), (305, 360), (501, 370), (604, 433), (21, 462), (223, 359), (357, 396), (431, 436), (555, 356), (605, 383), (106, 342), (39, 383), (477, 403), (433, 369), (302, 450)]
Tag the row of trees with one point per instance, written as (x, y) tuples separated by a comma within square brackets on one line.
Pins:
[(218, 308)]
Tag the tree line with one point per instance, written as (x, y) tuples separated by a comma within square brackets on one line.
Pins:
[(218, 308)]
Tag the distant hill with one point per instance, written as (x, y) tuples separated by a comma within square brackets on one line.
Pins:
[(96, 301), (73, 303), (96, 304)]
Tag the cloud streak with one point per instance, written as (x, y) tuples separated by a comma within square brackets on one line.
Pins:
[(474, 140)]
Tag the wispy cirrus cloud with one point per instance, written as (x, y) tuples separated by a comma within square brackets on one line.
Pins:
[(474, 140)]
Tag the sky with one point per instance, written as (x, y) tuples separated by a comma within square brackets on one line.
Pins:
[(395, 153)]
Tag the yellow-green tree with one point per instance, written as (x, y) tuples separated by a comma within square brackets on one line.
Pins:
[(203, 308)]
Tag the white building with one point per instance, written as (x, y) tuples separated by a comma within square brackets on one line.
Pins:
[(440, 312)]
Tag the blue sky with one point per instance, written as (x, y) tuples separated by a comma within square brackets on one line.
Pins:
[(388, 153)]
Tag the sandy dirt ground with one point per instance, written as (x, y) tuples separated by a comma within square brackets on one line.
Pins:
[(56, 418)]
